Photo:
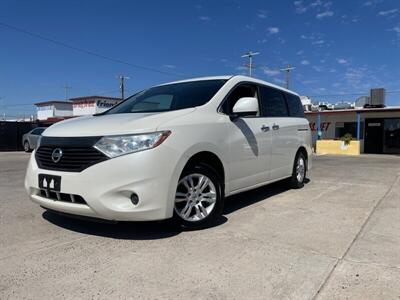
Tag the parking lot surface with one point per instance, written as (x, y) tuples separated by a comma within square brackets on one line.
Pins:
[(338, 237)]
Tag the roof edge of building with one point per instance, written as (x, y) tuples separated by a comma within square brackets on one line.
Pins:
[(93, 97), (52, 102)]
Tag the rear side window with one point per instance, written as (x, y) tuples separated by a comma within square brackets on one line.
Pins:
[(295, 107), (37, 131), (273, 102)]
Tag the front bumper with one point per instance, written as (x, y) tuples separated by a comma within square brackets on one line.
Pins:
[(107, 186)]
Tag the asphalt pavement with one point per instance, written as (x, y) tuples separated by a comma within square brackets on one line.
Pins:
[(337, 238)]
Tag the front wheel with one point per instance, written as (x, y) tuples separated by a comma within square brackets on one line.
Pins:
[(27, 147), (299, 171), (198, 198)]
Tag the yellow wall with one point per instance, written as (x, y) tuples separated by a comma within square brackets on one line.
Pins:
[(336, 147)]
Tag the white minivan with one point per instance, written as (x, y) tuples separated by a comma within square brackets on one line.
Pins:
[(174, 150)]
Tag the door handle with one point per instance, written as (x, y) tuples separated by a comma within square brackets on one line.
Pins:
[(275, 127), (265, 128)]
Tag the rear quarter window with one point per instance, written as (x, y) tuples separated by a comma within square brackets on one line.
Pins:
[(295, 107)]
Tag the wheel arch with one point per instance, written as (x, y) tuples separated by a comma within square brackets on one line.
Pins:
[(205, 153), (303, 150), (209, 158)]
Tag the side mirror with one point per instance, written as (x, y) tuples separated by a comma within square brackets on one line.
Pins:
[(245, 106)]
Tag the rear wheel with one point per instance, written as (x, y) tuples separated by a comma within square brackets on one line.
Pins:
[(299, 171), (198, 198), (27, 147)]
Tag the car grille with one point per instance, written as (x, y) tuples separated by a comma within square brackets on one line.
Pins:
[(56, 196), (77, 154)]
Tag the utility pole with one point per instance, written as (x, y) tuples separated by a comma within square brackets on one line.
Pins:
[(122, 85), (250, 55), (4, 108), (66, 88), (287, 70)]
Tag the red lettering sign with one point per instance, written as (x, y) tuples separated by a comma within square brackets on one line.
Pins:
[(324, 126)]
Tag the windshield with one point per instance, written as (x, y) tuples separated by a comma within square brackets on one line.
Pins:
[(170, 97)]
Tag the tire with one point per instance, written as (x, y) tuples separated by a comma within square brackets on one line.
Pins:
[(199, 197), (27, 147), (299, 171)]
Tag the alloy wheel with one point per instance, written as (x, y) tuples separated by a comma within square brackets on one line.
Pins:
[(195, 198), (300, 169)]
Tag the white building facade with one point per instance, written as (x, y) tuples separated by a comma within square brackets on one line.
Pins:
[(53, 109), (91, 105)]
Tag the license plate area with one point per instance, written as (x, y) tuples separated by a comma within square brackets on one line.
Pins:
[(50, 183)]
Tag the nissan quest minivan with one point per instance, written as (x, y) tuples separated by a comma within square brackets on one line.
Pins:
[(174, 150)]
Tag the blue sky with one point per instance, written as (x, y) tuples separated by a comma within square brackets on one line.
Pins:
[(337, 47)]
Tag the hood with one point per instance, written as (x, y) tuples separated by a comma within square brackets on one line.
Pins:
[(114, 124)]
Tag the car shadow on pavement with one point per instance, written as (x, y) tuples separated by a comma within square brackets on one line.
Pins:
[(118, 230), (242, 200), (121, 230), (160, 229)]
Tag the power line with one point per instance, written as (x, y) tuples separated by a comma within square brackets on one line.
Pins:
[(88, 52)]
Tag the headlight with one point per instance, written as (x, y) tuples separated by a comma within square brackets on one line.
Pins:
[(114, 146)]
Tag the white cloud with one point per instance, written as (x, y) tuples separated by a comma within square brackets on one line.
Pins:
[(169, 66), (204, 18), (372, 2), (300, 8), (279, 81), (396, 29), (241, 68), (273, 30), (261, 16), (388, 12), (316, 3), (317, 68), (341, 61), (325, 14), (271, 72), (318, 42), (250, 27), (300, 52), (305, 62)]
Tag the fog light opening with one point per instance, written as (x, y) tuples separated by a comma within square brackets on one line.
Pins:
[(134, 199)]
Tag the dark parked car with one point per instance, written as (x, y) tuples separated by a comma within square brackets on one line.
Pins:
[(30, 138)]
